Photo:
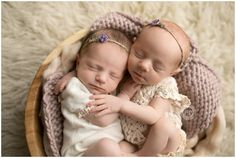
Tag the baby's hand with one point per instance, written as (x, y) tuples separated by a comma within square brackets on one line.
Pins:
[(104, 104), (130, 88), (60, 86)]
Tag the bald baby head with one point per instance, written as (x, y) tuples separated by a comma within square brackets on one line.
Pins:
[(173, 36), (180, 36)]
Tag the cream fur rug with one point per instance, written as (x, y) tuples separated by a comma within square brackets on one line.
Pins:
[(30, 30)]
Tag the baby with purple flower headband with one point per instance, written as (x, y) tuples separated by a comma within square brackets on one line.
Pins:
[(100, 66)]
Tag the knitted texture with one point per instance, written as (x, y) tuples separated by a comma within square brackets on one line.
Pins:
[(51, 117), (200, 83), (197, 80), (131, 26)]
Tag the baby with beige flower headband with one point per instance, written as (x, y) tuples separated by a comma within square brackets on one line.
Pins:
[(150, 103)]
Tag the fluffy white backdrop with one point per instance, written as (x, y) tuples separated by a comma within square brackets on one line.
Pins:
[(30, 30)]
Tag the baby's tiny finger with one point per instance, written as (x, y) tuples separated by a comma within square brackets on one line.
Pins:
[(104, 112), (98, 102), (99, 108)]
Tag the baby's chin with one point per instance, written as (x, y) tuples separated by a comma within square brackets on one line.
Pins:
[(142, 82), (138, 81)]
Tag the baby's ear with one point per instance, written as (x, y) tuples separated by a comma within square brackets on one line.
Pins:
[(176, 71)]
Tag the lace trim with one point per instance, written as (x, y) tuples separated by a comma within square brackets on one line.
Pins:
[(168, 90)]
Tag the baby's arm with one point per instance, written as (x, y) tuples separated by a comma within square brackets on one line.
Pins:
[(147, 114), (61, 84), (106, 104)]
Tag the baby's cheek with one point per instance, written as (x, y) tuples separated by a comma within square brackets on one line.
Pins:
[(112, 86)]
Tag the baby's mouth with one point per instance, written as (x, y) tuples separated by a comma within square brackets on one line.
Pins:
[(137, 75), (97, 88)]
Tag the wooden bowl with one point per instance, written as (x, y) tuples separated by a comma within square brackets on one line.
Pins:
[(33, 129)]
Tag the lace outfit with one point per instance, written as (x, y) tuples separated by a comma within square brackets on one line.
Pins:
[(78, 133), (134, 131)]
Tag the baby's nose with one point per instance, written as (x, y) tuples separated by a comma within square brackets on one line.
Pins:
[(101, 78), (145, 65)]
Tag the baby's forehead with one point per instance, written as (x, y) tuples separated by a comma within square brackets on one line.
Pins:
[(107, 51), (155, 36), (177, 33)]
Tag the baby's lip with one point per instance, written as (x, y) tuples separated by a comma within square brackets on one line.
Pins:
[(139, 75), (97, 88)]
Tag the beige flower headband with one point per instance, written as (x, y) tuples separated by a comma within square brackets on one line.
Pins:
[(157, 23)]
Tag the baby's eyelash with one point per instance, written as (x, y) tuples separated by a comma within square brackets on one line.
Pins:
[(92, 66), (157, 69), (114, 75), (137, 54)]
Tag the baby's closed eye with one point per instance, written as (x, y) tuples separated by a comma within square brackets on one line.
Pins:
[(115, 76), (93, 67)]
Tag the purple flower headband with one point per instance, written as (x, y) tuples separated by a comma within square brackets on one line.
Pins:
[(103, 38), (158, 23)]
